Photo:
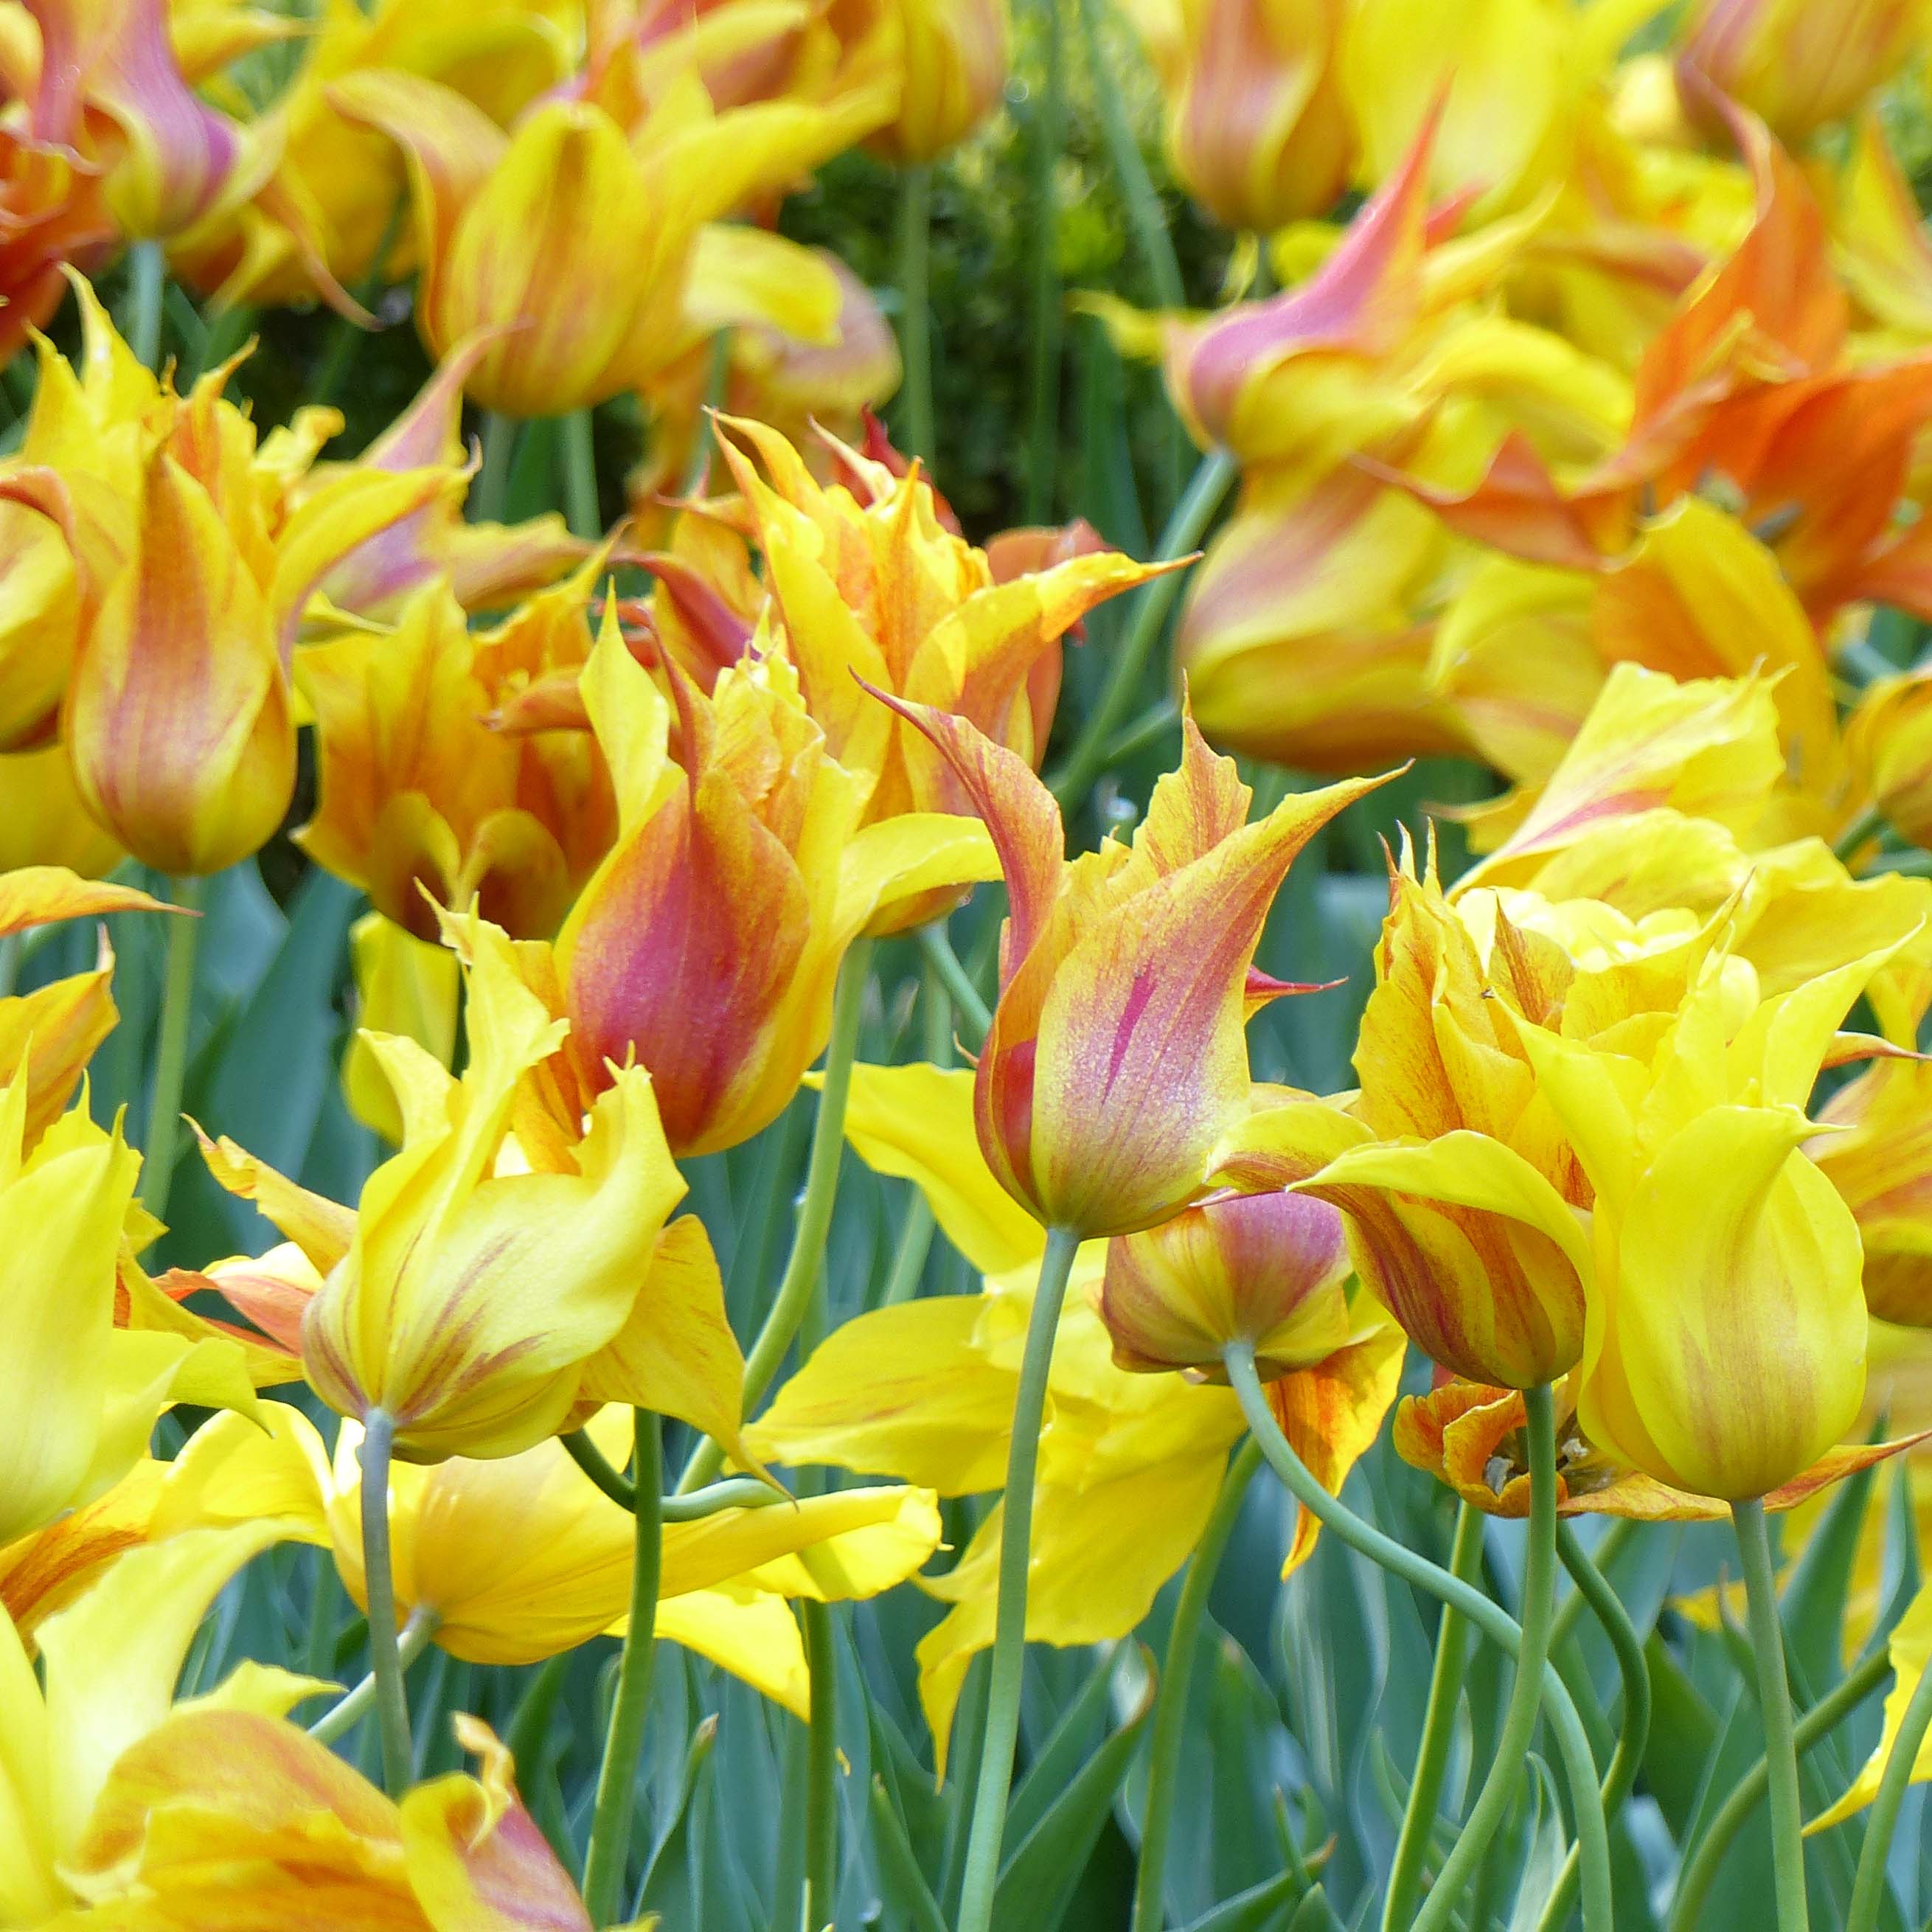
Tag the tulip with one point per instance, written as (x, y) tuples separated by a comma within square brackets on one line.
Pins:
[(1888, 743), (1450, 1094), (1725, 1347), (52, 213), (515, 1561), (417, 795), (110, 83), (1116, 1059), (1270, 1270), (951, 57), (1130, 1464), (1880, 1159), (870, 582), (706, 944), (518, 230), (403, 985), (82, 1396), (1256, 123), (1800, 66), (482, 1306)]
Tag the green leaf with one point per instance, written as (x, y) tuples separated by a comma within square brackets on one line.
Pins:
[(1042, 1871), (1261, 1908), (906, 1891), (1812, 1601)]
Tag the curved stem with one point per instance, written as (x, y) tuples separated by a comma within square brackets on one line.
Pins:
[(1009, 1660), (147, 284), (577, 451), (915, 267), (936, 943), (789, 1305), (355, 1705), (821, 1783), (1439, 1729), (1191, 515), (609, 1852), (588, 1457), (1862, 830), (1781, 1751), (1569, 1613), (1700, 1873), (1868, 1890), (735, 1493), (1518, 1730), (1593, 1588), (164, 1099), (379, 1590), (1495, 1623), (1170, 1717)]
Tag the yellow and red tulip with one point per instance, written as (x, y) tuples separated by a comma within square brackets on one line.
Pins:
[(1117, 1060)]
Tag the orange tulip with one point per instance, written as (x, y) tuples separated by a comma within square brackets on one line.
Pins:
[(1117, 1060)]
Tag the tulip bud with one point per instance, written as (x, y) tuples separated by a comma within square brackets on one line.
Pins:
[(1117, 1060), (1880, 1161), (1269, 1269), (952, 57), (1257, 123), (1799, 64)]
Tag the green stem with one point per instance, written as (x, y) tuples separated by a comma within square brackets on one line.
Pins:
[(821, 1783), (1213, 476), (1009, 1660), (915, 269), (1170, 1717), (1862, 830), (1700, 1872), (379, 1590), (789, 1305), (577, 453), (1496, 1624), (1781, 1751), (936, 943), (1868, 1890), (609, 1855), (164, 1098), (354, 1705), (489, 501), (736, 1493), (1594, 1588), (1511, 1763), (10, 964), (1438, 1730), (588, 1457), (1609, 1551), (147, 283), (717, 393), (1048, 302)]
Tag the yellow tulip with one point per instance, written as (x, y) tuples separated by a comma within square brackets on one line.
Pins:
[(518, 230), (406, 985), (82, 1394), (1799, 64), (418, 794), (1880, 1159), (1889, 744), (707, 944), (949, 57), (513, 1561), (1909, 1647)]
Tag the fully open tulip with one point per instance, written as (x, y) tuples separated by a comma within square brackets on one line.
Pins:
[(873, 581), (518, 230), (706, 944), (1117, 1059), (950, 56), (418, 794), (517, 1560), (481, 1304)]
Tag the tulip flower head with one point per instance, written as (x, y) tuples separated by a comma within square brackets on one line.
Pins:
[(1877, 1152), (705, 946), (1116, 1059), (950, 57)]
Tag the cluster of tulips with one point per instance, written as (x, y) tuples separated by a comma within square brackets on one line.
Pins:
[(1590, 450)]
